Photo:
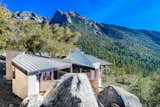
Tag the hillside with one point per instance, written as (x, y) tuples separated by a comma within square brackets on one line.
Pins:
[(131, 49), (132, 52)]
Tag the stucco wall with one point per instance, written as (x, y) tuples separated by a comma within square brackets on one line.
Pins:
[(19, 84), (24, 85), (9, 56), (45, 84)]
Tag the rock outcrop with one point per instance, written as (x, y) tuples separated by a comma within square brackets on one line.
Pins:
[(113, 96), (61, 18), (72, 90), (30, 16)]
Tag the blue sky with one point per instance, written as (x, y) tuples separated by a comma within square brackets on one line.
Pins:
[(139, 14)]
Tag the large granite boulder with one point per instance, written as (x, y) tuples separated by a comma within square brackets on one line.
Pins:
[(72, 90), (113, 96)]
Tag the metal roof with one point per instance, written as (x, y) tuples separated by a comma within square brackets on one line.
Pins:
[(94, 59), (33, 64), (79, 58)]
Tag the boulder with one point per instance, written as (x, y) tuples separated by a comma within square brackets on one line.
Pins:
[(72, 90), (113, 96), (32, 101)]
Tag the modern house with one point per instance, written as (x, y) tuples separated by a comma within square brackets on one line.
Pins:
[(33, 74)]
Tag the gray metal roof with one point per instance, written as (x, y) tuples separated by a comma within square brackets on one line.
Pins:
[(94, 59), (33, 64), (79, 58)]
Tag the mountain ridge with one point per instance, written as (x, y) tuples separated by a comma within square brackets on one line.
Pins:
[(28, 15), (83, 17), (125, 47), (132, 49)]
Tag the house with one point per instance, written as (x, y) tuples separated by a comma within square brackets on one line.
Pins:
[(33, 74), (80, 58)]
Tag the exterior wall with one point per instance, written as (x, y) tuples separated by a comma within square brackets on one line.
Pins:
[(45, 84), (9, 56), (33, 85), (94, 81), (23, 85), (20, 84)]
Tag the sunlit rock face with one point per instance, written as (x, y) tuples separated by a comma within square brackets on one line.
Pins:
[(61, 18), (113, 96), (33, 101), (29, 16), (73, 90)]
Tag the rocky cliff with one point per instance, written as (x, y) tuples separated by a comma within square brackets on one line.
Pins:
[(61, 18), (30, 16)]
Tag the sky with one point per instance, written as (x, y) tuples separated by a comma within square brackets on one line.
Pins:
[(138, 14)]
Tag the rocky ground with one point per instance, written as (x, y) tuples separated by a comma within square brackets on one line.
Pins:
[(7, 98)]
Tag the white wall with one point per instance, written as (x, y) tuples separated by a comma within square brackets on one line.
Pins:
[(33, 85)]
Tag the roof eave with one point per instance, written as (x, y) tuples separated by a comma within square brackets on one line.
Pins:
[(39, 71)]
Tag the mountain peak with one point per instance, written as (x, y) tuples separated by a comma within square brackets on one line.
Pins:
[(61, 18)]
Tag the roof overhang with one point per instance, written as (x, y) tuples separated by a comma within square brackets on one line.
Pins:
[(36, 72)]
